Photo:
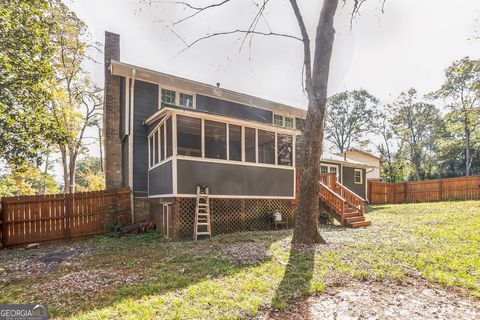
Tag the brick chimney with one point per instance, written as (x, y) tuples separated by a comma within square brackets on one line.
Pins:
[(111, 115)]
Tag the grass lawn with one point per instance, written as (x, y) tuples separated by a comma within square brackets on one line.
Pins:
[(235, 276)]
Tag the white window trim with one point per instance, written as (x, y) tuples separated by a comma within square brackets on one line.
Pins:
[(283, 121), (329, 169), (243, 161), (156, 131), (355, 176), (177, 96)]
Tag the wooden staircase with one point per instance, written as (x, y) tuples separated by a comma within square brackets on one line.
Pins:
[(341, 203)]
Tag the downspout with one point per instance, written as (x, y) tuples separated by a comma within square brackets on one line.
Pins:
[(130, 144)]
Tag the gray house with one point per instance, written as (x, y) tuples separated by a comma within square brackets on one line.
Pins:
[(165, 135)]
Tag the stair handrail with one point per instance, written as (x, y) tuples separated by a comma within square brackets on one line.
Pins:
[(354, 200), (340, 202)]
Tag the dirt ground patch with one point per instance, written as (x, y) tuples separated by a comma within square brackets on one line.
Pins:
[(245, 253), (19, 263), (411, 299)]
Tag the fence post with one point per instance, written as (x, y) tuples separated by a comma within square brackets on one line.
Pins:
[(441, 190), (3, 216), (68, 207), (406, 192)]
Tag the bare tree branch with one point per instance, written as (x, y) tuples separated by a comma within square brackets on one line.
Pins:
[(306, 45), (197, 9), (208, 36)]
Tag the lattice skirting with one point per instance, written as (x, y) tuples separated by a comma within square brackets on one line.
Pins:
[(228, 215)]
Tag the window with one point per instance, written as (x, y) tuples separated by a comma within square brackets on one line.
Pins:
[(289, 123), (358, 176), (235, 142), (250, 145), (189, 136), (186, 100), (215, 140), (282, 121), (168, 96), (162, 142), (266, 147), (278, 120), (326, 168), (284, 150), (169, 138)]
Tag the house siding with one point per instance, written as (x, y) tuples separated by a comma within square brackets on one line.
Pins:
[(348, 181), (235, 180), (160, 179), (232, 109), (145, 104)]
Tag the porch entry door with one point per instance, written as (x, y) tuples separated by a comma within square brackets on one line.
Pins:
[(329, 168)]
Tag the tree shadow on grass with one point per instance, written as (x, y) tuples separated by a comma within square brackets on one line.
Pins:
[(296, 281)]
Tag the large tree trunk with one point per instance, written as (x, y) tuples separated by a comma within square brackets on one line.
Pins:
[(66, 180), (306, 228)]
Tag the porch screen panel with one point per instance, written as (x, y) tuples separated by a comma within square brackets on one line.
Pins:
[(189, 136), (284, 150), (266, 147), (250, 145), (156, 149), (215, 140), (169, 137), (235, 142), (162, 142)]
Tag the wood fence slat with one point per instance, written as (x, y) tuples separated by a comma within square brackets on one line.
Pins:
[(461, 188), (28, 219)]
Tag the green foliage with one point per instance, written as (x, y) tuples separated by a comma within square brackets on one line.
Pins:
[(89, 175), (77, 100), (418, 125), (349, 117), (26, 52), (461, 93), (29, 180)]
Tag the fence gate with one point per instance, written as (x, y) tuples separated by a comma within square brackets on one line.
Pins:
[(30, 219)]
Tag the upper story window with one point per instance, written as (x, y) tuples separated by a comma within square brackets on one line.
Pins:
[(168, 96), (278, 120), (289, 122), (186, 100), (283, 121)]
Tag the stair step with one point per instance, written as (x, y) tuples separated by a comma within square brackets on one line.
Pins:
[(203, 224), (360, 224), (355, 219), (203, 233), (352, 215)]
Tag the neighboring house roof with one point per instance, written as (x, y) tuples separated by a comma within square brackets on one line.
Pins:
[(363, 152), (329, 157), (143, 74)]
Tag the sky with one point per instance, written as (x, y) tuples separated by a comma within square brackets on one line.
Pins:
[(408, 45)]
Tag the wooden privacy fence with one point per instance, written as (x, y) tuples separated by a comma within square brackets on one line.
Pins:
[(462, 188), (30, 219)]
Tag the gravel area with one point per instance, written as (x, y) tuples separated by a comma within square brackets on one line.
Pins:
[(411, 299)]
